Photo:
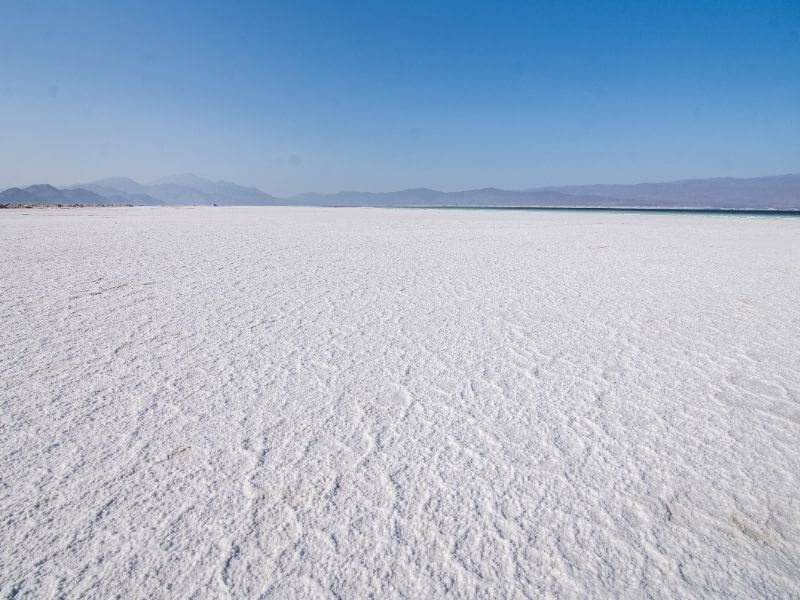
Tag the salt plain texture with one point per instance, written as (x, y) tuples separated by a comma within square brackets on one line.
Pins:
[(352, 403)]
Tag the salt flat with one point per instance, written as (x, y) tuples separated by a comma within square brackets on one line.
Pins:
[(345, 403)]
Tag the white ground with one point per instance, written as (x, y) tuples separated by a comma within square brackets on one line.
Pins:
[(341, 403)]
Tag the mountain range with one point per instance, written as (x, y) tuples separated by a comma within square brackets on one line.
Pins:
[(47, 194), (780, 192)]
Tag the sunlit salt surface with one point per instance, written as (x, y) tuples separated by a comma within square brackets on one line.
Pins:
[(307, 403)]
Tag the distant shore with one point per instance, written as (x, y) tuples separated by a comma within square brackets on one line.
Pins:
[(66, 205)]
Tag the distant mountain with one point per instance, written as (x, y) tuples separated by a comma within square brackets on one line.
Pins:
[(778, 192), (119, 184), (83, 196), (182, 189), (17, 196), (47, 194), (117, 196)]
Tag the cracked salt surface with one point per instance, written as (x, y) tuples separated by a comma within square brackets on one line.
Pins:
[(258, 402)]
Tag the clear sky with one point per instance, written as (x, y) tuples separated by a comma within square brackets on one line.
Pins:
[(299, 96)]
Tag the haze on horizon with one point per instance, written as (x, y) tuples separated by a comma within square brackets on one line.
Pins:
[(305, 96)]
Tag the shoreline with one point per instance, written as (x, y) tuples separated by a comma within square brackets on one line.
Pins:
[(618, 209)]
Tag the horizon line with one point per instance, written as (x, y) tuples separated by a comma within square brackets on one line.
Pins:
[(159, 181)]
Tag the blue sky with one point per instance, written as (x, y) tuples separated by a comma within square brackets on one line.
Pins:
[(322, 96)]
